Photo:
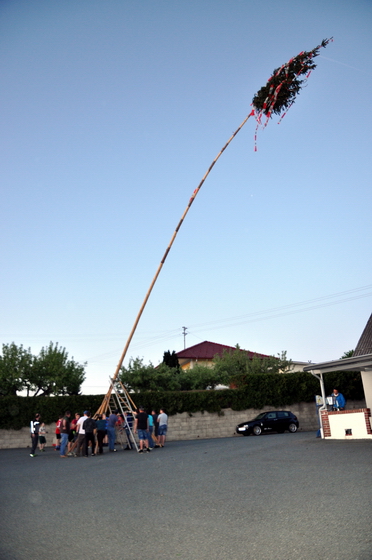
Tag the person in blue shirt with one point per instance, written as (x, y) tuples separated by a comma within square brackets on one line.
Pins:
[(338, 400)]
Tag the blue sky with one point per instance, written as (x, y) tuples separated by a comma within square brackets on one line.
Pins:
[(111, 113)]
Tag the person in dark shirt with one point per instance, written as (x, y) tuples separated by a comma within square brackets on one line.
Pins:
[(141, 426)]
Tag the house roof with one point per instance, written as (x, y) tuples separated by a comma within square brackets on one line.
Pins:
[(355, 363), (208, 350), (364, 345)]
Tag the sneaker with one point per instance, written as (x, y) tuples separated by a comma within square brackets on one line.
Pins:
[(148, 449), (139, 451), (93, 454), (31, 455)]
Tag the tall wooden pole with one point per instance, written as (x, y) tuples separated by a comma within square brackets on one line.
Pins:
[(105, 402)]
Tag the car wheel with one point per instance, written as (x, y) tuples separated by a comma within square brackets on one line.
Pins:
[(292, 428), (257, 430)]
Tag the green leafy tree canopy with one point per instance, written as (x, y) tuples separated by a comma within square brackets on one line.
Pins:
[(235, 367), (49, 373)]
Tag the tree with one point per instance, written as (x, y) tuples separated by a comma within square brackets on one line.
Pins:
[(347, 354), (15, 368), (171, 359), (53, 373), (139, 377), (234, 367), (49, 373), (201, 377)]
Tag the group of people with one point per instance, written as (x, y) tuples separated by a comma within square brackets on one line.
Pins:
[(75, 436)]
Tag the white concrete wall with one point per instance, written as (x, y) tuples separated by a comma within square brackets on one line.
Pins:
[(355, 422), (367, 386)]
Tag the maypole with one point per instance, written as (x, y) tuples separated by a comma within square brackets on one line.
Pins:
[(276, 97)]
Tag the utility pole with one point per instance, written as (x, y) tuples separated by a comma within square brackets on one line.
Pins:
[(184, 337)]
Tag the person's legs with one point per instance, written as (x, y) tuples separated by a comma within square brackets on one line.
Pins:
[(70, 443), (64, 439), (86, 444), (149, 437), (89, 438), (100, 436), (162, 434), (80, 443), (111, 437), (93, 440), (142, 436), (34, 440)]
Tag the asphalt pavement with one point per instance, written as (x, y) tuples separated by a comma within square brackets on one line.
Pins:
[(273, 497)]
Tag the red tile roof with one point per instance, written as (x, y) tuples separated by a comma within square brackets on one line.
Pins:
[(208, 350)]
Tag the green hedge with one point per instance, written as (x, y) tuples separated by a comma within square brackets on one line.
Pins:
[(261, 390), (17, 412)]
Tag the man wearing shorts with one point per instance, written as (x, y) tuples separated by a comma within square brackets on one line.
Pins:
[(141, 426), (163, 426)]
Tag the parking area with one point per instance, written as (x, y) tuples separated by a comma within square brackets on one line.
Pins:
[(277, 496)]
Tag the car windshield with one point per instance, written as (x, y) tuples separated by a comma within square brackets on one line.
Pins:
[(260, 416)]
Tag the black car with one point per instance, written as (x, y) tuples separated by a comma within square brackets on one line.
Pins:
[(273, 421)]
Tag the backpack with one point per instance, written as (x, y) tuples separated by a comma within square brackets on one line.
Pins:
[(89, 425)]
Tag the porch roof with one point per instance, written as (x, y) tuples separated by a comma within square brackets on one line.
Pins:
[(355, 363)]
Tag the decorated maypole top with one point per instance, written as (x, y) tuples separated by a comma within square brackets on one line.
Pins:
[(283, 86)]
